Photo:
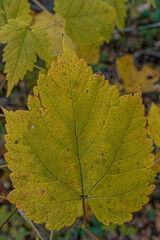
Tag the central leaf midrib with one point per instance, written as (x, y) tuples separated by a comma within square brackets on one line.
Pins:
[(76, 137)]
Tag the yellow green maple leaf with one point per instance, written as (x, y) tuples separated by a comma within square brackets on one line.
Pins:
[(87, 22), (23, 43), (78, 142), (90, 54), (12, 9), (154, 123), (134, 78), (120, 8)]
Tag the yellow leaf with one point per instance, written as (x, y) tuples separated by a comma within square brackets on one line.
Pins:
[(79, 141), (154, 123), (23, 43), (120, 8), (156, 166), (87, 22), (12, 9), (90, 54), (134, 78)]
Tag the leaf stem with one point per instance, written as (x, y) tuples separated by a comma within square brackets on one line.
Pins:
[(41, 6), (52, 25), (84, 212), (8, 218), (3, 166)]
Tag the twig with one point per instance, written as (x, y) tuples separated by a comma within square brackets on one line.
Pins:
[(51, 235), (131, 29), (32, 225), (2, 115), (8, 218), (39, 68), (41, 6), (52, 25), (3, 166), (2, 84), (2, 197), (91, 234)]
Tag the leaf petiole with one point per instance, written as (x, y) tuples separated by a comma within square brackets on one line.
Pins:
[(8, 218)]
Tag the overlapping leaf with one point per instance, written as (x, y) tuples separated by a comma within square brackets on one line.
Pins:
[(12, 9), (120, 8), (87, 22), (134, 78), (154, 123), (23, 43), (79, 140), (90, 54)]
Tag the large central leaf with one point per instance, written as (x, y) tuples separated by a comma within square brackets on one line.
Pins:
[(79, 140)]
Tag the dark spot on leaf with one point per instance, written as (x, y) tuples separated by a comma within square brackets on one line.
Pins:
[(87, 91), (149, 77), (16, 142), (68, 149), (102, 154)]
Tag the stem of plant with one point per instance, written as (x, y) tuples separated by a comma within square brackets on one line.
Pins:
[(52, 25), (84, 213), (8, 218), (51, 235), (3, 166), (2, 115), (39, 68), (2, 197), (41, 6)]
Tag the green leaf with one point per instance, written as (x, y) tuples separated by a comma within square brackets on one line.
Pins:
[(87, 22), (12, 9), (79, 140), (23, 43), (154, 123), (120, 8)]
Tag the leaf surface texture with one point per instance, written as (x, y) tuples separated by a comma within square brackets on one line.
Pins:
[(87, 21), (12, 9)]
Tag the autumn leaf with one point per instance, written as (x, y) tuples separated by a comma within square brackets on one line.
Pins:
[(90, 54), (12, 9), (87, 22), (134, 78), (23, 43), (121, 12), (154, 123), (78, 142)]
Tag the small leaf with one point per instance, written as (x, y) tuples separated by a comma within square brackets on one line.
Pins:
[(22, 46), (134, 78), (154, 123), (12, 9), (87, 22), (79, 140)]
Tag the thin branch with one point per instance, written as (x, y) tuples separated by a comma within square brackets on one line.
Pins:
[(84, 212), (2, 115), (32, 225), (144, 27), (8, 218), (54, 24), (2, 84), (51, 235), (3, 166), (39, 68), (91, 234), (2, 197), (41, 6)]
